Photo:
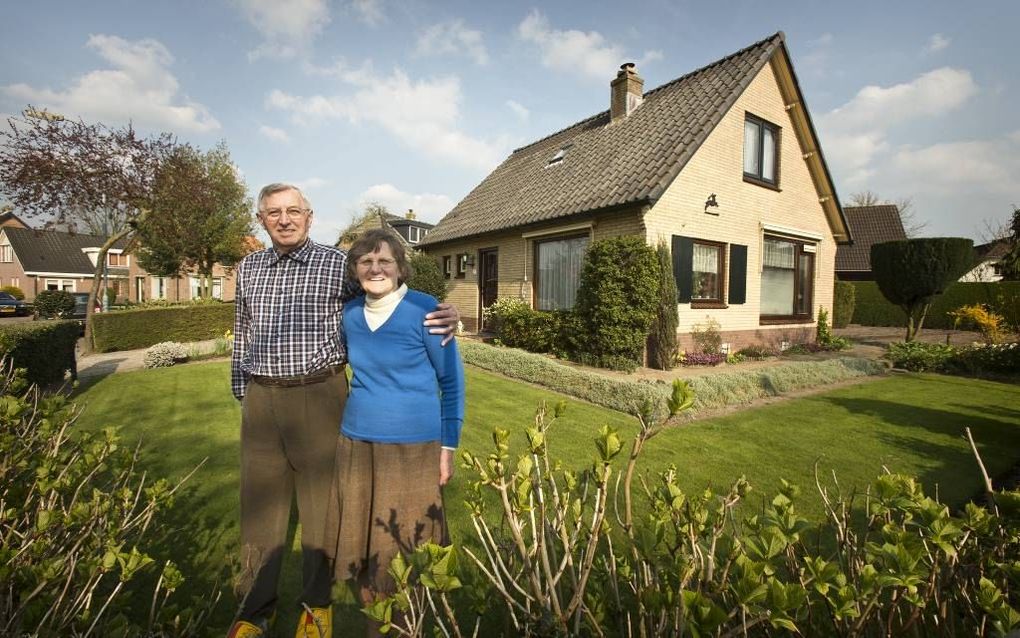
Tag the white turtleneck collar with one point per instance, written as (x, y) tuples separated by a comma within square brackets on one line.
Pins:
[(379, 309)]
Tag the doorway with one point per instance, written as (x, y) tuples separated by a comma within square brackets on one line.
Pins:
[(488, 280)]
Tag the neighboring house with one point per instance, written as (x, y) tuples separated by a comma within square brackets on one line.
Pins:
[(409, 228), (37, 260), (8, 218), (722, 164), (868, 225), (988, 257)]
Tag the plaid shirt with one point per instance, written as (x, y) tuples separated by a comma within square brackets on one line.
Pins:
[(287, 320)]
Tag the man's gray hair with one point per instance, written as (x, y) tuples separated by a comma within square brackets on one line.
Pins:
[(279, 187)]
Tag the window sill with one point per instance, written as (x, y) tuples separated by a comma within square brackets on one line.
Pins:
[(760, 182), (708, 305), (775, 321)]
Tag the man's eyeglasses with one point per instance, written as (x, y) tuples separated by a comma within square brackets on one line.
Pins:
[(274, 214), (366, 263)]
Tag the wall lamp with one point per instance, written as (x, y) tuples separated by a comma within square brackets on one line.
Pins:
[(711, 203)]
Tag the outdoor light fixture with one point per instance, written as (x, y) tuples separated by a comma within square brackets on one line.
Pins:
[(710, 203)]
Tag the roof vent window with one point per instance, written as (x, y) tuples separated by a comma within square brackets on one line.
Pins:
[(560, 154)]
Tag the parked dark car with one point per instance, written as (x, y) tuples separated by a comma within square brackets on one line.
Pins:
[(11, 306)]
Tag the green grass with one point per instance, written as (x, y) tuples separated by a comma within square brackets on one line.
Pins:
[(910, 424)]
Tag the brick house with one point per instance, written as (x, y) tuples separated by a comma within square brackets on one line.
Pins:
[(409, 228), (722, 164), (868, 225), (37, 260)]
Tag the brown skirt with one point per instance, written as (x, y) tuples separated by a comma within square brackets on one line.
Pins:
[(386, 499)]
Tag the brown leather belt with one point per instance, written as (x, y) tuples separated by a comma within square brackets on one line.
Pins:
[(317, 376)]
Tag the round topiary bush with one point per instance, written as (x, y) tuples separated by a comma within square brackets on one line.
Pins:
[(53, 304), (14, 291)]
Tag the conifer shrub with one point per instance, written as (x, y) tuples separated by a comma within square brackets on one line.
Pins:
[(426, 276), (617, 301), (843, 304), (662, 340)]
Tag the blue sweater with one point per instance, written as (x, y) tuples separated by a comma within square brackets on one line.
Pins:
[(399, 371)]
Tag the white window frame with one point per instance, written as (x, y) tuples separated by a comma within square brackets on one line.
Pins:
[(59, 283), (6, 254)]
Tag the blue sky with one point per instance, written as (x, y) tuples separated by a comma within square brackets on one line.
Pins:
[(412, 103)]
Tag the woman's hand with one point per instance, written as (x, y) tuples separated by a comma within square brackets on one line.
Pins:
[(445, 466)]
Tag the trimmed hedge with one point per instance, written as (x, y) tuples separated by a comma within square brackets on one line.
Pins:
[(843, 302), (134, 329), (44, 348), (872, 309), (710, 391)]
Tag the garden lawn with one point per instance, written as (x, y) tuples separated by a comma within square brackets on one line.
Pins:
[(911, 424)]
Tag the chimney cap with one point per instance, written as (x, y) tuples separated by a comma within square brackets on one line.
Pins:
[(626, 66)]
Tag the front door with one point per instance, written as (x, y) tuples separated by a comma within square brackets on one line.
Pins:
[(488, 279)]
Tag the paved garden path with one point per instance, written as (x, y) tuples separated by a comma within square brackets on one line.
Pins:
[(97, 365)]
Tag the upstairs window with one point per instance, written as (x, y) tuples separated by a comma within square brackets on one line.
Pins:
[(117, 259), (761, 151), (6, 254)]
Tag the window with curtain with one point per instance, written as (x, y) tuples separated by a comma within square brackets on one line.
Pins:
[(558, 271), (787, 279), (761, 150), (707, 272)]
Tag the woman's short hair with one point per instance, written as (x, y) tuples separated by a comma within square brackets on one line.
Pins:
[(369, 242)]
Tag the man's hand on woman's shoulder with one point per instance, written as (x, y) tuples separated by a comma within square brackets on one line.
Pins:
[(443, 321)]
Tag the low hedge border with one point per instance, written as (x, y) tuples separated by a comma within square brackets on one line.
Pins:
[(141, 328), (872, 309), (711, 391), (44, 348)]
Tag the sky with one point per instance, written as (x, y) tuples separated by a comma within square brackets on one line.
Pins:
[(410, 104)]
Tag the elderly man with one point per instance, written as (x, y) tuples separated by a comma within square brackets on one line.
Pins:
[(288, 372)]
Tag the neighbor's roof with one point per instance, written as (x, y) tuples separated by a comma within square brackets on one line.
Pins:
[(868, 225), (992, 250), (632, 161), (53, 250)]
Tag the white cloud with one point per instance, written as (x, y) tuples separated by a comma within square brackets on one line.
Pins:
[(427, 206), (936, 43), (423, 114), (453, 37), (275, 134), (519, 109), (570, 50), (1015, 136), (985, 165), (823, 40), (288, 27), (139, 87), (369, 11), (855, 134), (816, 60)]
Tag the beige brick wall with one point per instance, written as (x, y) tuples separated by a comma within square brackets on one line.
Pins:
[(516, 257), (717, 167)]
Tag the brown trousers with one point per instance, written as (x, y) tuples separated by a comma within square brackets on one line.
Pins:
[(288, 445)]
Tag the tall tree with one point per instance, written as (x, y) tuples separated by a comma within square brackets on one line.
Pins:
[(57, 168), (1010, 262), (662, 341), (372, 216), (204, 216), (913, 272)]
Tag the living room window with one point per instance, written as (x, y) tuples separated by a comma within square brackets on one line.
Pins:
[(707, 272), (558, 271), (787, 280), (761, 151), (462, 266), (447, 267)]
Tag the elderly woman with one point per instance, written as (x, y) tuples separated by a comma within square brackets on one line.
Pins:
[(401, 423)]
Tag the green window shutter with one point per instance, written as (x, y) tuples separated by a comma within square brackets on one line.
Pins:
[(738, 274), (683, 267)]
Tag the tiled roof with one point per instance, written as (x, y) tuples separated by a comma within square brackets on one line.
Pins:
[(608, 165), (868, 225), (53, 250), (992, 250)]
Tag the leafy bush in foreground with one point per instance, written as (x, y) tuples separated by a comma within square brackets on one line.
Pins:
[(45, 349), (77, 523), (54, 304), (918, 356), (563, 553)]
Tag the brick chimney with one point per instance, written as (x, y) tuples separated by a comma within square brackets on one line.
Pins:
[(625, 92), (410, 214)]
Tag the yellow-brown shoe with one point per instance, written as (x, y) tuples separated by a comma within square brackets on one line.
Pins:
[(245, 629), (315, 622)]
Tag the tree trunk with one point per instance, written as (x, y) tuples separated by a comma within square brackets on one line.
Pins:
[(97, 278)]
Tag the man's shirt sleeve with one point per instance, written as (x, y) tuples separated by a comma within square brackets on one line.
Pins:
[(238, 378)]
